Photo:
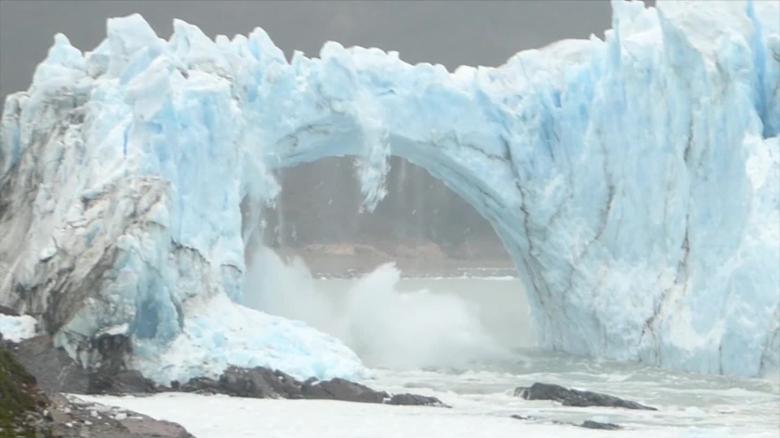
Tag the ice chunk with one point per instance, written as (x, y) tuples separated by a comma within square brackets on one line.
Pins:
[(218, 332), (17, 328)]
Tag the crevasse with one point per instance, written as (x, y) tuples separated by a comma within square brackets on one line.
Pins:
[(634, 180)]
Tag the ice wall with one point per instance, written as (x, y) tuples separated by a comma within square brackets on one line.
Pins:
[(634, 180)]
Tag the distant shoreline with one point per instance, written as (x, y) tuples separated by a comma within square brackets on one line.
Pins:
[(414, 259), (467, 273)]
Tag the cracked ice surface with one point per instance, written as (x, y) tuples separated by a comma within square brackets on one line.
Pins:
[(633, 180)]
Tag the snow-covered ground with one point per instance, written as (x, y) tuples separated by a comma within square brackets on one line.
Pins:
[(17, 328)]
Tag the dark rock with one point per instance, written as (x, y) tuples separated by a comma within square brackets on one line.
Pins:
[(202, 385), (25, 410), (72, 418), (111, 352), (415, 400), (577, 398), (53, 369), (259, 382), (256, 382), (21, 402), (8, 311), (589, 424), (262, 382), (120, 382), (109, 373), (341, 389), (56, 372)]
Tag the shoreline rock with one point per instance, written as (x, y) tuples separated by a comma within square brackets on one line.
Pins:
[(576, 398), (587, 424), (590, 424), (4, 310), (260, 382), (26, 410), (57, 373)]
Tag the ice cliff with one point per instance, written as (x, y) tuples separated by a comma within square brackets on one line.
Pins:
[(634, 180)]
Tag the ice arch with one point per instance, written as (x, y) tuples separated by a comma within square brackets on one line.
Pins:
[(633, 180)]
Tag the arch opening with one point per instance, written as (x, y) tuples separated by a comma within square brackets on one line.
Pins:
[(423, 265)]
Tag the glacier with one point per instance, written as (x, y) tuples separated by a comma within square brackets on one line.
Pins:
[(634, 179)]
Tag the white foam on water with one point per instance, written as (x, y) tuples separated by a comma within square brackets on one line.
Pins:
[(689, 406), (385, 324)]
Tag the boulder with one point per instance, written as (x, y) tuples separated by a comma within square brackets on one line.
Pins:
[(25, 410), (73, 418), (53, 369), (345, 390), (56, 372), (259, 382), (587, 424), (415, 400), (590, 424), (574, 397), (200, 385), (8, 311), (120, 382), (109, 373), (21, 402)]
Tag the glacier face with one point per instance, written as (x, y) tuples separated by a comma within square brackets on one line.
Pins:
[(633, 180)]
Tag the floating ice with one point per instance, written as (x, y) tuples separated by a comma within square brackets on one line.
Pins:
[(633, 180)]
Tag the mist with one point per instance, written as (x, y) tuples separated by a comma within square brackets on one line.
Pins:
[(387, 326)]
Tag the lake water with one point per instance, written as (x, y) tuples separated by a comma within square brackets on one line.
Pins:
[(687, 402)]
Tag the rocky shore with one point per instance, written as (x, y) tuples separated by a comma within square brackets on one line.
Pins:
[(39, 384), (576, 398), (37, 381), (28, 411)]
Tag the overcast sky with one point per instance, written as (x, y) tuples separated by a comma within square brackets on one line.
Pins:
[(447, 32)]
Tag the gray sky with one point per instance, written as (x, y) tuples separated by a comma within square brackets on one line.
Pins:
[(447, 32)]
